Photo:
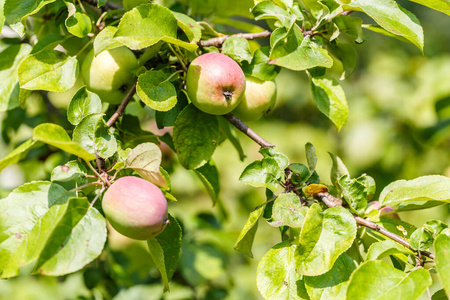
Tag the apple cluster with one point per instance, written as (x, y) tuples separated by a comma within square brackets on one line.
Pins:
[(216, 84)]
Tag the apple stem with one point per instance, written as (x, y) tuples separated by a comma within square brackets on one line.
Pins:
[(218, 41), (122, 106)]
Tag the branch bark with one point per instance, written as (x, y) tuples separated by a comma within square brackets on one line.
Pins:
[(248, 131), (218, 41), (122, 106), (325, 197)]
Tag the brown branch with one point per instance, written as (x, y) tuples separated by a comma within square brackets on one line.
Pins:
[(218, 41), (122, 106), (325, 197), (248, 131)]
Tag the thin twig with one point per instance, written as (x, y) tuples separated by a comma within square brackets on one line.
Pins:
[(122, 106), (218, 41), (83, 186), (96, 197), (248, 131), (369, 224)]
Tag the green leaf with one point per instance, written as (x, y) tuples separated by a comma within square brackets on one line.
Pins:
[(156, 91), (77, 23), (376, 279), (246, 237), (439, 5), (48, 70), (423, 238), (311, 156), (276, 277), (346, 53), (351, 26), (17, 154), (386, 248), (419, 193), (324, 237), (260, 67), (147, 24), (165, 250), (195, 137), (83, 104), (299, 53), (56, 136), (281, 159), (269, 10), (209, 175), (95, 136), (338, 169), (262, 173), (167, 118), (333, 284), (44, 226), (392, 17), (300, 173), (10, 58), (330, 99), (105, 40), (355, 192), (442, 250), (439, 295), (2, 15), (78, 238), (238, 49), (145, 159), (189, 26), (16, 15), (69, 171), (287, 210), (49, 41)]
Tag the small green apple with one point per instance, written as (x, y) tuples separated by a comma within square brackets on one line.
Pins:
[(110, 74), (135, 208), (259, 99), (215, 83)]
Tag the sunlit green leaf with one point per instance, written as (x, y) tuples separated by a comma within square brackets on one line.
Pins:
[(262, 173), (56, 136), (48, 70), (330, 99), (83, 104), (376, 279), (165, 250), (324, 237), (385, 248), (10, 58), (77, 23), (439, 5), (17, 154), (247, 235), (209, 175), (333, 284), (105, 40), (156, 91), (422, 192), (238, 49), (392, 17), (69, 171), (442, 250), (287, 210), (94, 136)]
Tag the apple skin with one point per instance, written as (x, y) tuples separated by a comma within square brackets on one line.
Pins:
[(259, 99), (135, 208), (215, 83), (110, 74)]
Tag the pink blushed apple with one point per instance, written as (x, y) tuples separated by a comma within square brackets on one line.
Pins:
[(135, 208), (215, 83)]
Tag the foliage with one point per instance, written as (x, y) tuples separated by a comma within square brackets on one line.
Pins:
[(331, 243)]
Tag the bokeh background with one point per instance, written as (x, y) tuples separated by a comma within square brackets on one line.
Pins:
[(398, 128)]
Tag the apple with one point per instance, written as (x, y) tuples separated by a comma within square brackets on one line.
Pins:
[(110, 74), (135, 208), (215, 83), (259, 99)]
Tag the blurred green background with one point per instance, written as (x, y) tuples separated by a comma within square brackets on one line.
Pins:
[(398, 128)]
